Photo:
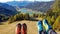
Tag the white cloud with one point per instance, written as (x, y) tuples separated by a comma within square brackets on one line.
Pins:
[(30, 0), (19, 0), (5, 0)]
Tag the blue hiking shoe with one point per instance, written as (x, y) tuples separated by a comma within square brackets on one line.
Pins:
[(40, 27), (46, 25)]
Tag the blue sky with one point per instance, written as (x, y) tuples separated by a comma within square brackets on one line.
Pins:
[(23, 0)]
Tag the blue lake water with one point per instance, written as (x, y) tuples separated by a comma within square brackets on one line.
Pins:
[(25, 11)]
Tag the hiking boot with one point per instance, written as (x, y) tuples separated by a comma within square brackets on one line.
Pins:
[(18, 29), (46, 25), (40, 27), (24, 29)]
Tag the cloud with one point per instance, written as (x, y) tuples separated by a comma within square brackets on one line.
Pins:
[(19, 0), (5, 0), (22, 0)]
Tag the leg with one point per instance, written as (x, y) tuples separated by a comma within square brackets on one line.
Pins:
[(39, 32), (42, 32), (48, 28), (51, 32)]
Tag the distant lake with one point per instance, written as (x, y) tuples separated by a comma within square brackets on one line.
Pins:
[(25, 11)]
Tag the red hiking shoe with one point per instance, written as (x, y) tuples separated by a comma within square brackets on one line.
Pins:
[(18, 29), (24, 29)]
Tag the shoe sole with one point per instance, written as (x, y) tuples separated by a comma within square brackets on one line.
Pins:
[(18, 29), (24, 28)]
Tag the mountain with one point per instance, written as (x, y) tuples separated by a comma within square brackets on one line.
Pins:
[(39, 6), (6, 6), (18, 3), (7, 9), (7, 12)]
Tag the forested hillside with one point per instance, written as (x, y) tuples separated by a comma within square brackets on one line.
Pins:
[(53, 15)]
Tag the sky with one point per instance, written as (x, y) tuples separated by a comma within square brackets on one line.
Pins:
[(22, 0)]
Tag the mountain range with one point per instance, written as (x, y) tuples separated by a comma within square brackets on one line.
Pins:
[(7, 9), (39, 6), (18, 3)]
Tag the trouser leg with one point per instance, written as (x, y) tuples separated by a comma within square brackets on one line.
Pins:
[(42, 32), (51, 32)]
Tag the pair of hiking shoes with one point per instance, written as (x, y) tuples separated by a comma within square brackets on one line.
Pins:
[(44, 27), (21, 29)]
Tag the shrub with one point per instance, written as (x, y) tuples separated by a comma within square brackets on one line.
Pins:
[(57, 23), (49, 20), (11, 19)]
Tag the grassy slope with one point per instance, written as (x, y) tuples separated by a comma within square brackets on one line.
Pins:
[(10, 29)]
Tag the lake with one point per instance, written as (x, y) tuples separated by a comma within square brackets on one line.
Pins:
[(25, 11)]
